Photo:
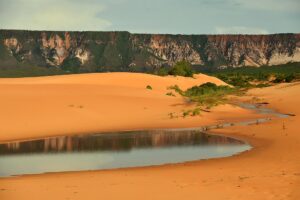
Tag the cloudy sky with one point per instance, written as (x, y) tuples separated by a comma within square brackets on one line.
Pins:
[(153, 16)]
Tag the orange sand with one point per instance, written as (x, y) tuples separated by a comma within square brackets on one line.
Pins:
[(270, 171), (88, 103)]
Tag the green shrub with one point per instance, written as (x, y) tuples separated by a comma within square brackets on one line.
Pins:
[(236, 80), (163, 71), (193, 112), (182, 68), (206, 88), (149, 87), (176, 89), (289, 78), (279, 78), (196, 112), (186, 113), (170, 94), (209, 94)]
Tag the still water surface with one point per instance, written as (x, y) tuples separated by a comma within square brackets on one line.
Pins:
[(113, 150)]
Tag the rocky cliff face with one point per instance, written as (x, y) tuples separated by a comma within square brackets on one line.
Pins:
[(122, 51)]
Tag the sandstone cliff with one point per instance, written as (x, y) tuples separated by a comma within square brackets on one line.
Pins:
[(122, 51)]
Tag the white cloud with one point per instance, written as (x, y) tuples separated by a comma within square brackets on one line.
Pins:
[(52, 15), (240, 30)]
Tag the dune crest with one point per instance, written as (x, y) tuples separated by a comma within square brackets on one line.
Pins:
[(124, 79)]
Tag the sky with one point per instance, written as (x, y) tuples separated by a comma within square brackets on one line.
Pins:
[(154, 16)]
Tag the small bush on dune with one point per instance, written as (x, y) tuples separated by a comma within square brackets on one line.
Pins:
[(176, 89), (196, 112), (186, 113), (182, 68), (206, 88), (207, 94), (149, 87), (170, 94)]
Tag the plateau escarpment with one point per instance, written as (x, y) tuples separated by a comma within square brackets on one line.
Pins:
[(123, 51)]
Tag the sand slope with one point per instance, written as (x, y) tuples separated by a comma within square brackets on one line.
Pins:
[(87, 103), (270, 171)]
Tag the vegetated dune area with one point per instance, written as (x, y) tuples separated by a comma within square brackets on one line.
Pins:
[(77, 104)]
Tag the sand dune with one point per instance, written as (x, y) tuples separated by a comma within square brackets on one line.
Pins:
[(87, 103), (270, 171)]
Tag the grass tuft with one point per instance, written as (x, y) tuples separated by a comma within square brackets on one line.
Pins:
[(149, 87)]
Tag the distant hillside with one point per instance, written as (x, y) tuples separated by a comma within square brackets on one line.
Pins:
[(60, 52)]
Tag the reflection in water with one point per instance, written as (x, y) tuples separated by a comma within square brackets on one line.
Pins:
[(113, 150), (115, 142)]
